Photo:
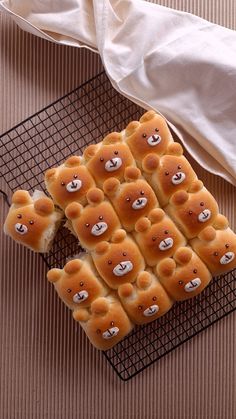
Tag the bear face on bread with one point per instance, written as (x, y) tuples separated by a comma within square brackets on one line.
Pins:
[(148, 135), (77, 284), (132, 199), (106, 324), (95, 222), (193, 211), (108, 158), (69, 182), (118, 262), (157, 236), (146, 300), (32, 222), (185, 276), (169, 173), (216, 246)]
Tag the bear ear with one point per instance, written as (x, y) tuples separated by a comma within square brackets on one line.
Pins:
[(95, 196), (179, 198), (21, 197), (183, 255), (81, 315), (150, 163), (54, 274), (73, 161), (175, 149), (90, 151), (196, 186), (50, 174), (144, 280), (110, 186), (166, 267), (73, 210), (112, 138), (132, 173), (100, 306), (44, 206), (207, 234), (73, 266), (102, 248), (220, 222), (118, 236), (125, 290), (142, 225), (156, 215), (131, 128), (147, 116)]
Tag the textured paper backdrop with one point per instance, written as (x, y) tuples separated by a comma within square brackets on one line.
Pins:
[(48, 368)]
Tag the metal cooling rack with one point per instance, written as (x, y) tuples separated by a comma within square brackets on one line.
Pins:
[(64, 128)]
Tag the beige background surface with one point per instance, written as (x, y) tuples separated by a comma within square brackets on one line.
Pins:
[(48, 369)]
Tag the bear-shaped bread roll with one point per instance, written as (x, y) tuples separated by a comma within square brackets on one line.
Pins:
[(148, 135), (131, 199), (120, 261), (32, 221), (109, 158), (216, 246), (194, 210), (157, 236), (169, 173), (106, 323), (146, 300), (69, 182), (95, 222), (77, 284), (185, 276)]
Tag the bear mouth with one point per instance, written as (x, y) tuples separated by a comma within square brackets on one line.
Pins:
[(21, 228), (204, 216), (192, 285), (110, 333), (166, 243), (154, 140), (113, 164), (227, 258), (150, 311), (80, 296), (74, 185), (123, 268), (178, 178), (139, 203), (99, 228)]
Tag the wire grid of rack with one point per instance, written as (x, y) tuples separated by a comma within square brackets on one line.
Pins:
[(66, 127)]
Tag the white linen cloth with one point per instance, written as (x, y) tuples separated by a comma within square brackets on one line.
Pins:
[(174, 62)]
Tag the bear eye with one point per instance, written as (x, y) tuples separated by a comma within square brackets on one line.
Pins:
[(140, 307), (124, 254), (142, 193), (154, 239), (154, 298), (195, 271), (101, 159), (75, 176), (144, 135), (181, 282), (69, 290), (166, 231), (167, 173), (116, 152), (190, 212), (87, 225), (112, 323), (98, 331), (109, 262), (227, 245), (128, 199), (62, 183), (19, 216), (179, 167), (31, 222), (202, 204), (215, 253), (156, 129), (81, 283), (100, 217)]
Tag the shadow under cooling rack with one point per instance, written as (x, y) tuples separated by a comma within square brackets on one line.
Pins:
[(66, 127)]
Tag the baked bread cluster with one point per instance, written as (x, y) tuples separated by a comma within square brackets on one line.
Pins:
[(152, 232)]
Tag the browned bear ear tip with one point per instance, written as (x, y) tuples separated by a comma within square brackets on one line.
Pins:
[(132, 173), (95, 196), (54, 275), (166, 267), (183, 255), (150, 163), (21, 197), (125, 290), (73, 266), (44, 206), (207, 234), (73, 210), (101, 248), (73, 161), (144, 280), (179, 198), (142, 225), (100, 306)]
